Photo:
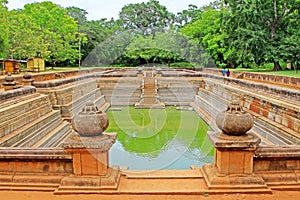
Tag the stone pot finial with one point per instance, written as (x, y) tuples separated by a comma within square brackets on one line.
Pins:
[(27, 76), (90, 121), (9, 78), (234, 121), (9, 83), (27, 81)]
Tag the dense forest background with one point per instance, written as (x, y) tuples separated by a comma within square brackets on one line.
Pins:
[(229, 33)]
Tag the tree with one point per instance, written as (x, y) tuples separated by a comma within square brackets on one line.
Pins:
[(165, 48), (109, 50), (207, 31), (23, 42), (146, 18), (192, 14), (78, 14), (258, 28), (97, 31), (3, 28), (55, 32)]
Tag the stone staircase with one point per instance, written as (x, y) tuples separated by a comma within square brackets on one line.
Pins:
[(120, 91), (70, 98), (149, 97), (30, 121), (215, 98), (163, 182)]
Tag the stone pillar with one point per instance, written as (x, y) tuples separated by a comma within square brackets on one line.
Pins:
[(90, 153), (158, 72), (140, 73), (9, 83), (234, 151), (27, 81)]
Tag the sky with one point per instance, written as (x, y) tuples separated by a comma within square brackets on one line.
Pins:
[(98, 9)]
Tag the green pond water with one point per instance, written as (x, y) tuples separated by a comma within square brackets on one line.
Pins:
[(150, 139)]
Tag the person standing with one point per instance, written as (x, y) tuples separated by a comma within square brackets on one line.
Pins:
[(227, 73), (223, 72)]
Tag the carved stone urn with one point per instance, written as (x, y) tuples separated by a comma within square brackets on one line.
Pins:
[(9, 78), (90, 121), (9, 83), (234, 121)]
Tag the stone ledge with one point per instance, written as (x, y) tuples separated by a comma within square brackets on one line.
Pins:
[(90, 184), (278, 151), (103, 142), (25, 90), (55, 83), (31, 153), (244, 142)]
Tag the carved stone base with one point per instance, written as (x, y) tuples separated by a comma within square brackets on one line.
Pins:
[(90, 184), (233, 183), (90, 154)]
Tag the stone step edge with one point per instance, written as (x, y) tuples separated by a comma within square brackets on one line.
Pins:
[(53, 134), (24, 128), (37, 134), (162, 174)]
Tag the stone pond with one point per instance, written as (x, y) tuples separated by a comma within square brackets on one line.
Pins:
[(39, 149)]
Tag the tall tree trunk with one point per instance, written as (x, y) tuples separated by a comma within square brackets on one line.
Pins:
[(277, 66)]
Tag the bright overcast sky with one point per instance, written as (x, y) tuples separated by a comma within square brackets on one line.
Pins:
[(98, 9)]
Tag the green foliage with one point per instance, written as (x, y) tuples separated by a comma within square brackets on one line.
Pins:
[(181, 65), (78, 14), (146, 18), (42, 28), (193, 13), (109, 50), (23, 41), (146, 56), (100, 31), (165, 48), (54, 30), (226, 32), (207, 31), (3, 27), (262, 31)]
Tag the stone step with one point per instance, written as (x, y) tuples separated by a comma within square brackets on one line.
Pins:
[(204, 115), (284, 134), (30, 182), (74, 107), (38, 134), (162, 174), (27, 129), (104, 107), (163, 183), (15, 116), (15, 101), (55, 137)]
